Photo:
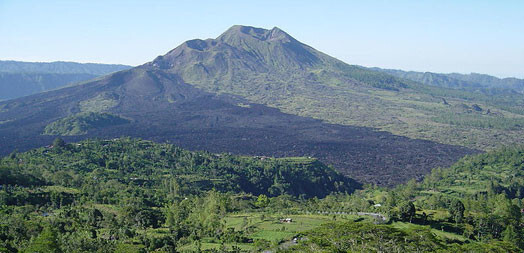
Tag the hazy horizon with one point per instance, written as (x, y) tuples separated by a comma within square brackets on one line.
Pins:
[(434, 36)]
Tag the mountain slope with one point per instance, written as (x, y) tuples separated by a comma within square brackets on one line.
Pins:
[(210, 95), (159, 106), (272, 68), (19, 79)]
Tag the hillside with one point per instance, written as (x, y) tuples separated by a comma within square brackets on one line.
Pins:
[(363, 237), (495, 172), (479, 198), (158, 106), (18, 79)]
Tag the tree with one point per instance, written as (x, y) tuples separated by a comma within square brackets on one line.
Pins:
[(13, 154), (59, 143), (469, 231), (262, 201), (407, 211), (94, 218), (456, 210), (45, 242), (512, 236)]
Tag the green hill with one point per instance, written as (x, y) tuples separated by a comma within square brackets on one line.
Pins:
[(124, 194), (479, 198), (368, 237), (158, 167), (496, 172)]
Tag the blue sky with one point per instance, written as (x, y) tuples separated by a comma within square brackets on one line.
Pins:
[(440, 36)]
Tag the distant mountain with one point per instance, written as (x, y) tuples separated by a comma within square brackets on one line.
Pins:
[(461, 81), (213, 95), (491, 81), (19, 79), (60, 67)]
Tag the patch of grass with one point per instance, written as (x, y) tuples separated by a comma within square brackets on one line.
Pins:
[(100, 103), (443, 235), (57, 188), (270, 228), (80, 124)]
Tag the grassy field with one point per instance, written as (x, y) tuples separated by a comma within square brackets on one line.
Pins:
[(262, 226)]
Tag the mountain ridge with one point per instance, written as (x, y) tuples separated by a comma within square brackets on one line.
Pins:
[(460, 81), (59, 67), (18, 79)]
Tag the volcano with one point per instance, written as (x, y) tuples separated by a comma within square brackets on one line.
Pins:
[(215, 94)]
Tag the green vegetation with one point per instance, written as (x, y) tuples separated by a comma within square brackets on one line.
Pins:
[(367, 237), (474, 206), (123, 194), (496, 172), (128, 195), (81, 123), (162, 166), (100, 103), (480, 121)]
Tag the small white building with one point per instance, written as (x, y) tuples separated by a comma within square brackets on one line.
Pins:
[(286, 220)]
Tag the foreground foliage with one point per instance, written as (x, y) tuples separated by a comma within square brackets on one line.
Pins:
[(128, 195)]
